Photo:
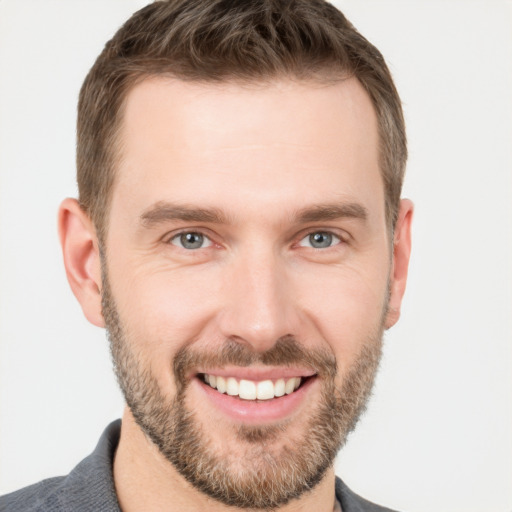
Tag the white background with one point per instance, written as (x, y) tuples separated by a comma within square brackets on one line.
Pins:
[(438, 433)]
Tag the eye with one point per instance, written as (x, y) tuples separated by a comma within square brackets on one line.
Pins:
[(191, 240), (320, 240)]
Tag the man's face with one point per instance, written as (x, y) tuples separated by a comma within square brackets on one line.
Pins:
[(247, 248)]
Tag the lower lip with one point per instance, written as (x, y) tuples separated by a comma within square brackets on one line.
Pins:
[(254, 411)]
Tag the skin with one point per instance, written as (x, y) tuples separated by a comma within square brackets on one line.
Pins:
[(258, 154)]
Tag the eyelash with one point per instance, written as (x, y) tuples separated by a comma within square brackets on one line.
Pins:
[(338, 239)]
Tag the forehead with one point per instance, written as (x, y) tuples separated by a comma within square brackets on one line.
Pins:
[(282, 139)]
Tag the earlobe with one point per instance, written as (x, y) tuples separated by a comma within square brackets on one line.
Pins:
[(80, 251), (400, 266)]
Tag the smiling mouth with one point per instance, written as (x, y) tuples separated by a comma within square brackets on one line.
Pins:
[(253, 390)]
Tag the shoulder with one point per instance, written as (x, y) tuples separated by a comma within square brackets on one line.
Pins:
[(37, 497), (88, 488), (352, 502)]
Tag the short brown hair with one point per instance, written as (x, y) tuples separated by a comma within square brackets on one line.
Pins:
[(216, 40)]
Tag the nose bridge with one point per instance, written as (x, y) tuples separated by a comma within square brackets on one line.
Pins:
[(256, 306)]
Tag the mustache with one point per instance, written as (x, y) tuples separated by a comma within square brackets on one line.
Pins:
[(286, 351)]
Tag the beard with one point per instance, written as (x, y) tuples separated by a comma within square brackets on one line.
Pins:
[(269, 467)]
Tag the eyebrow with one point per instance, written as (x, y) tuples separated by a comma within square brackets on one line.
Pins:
[(163, 211), (333, 211)]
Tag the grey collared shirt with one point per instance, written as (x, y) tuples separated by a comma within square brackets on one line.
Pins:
[(90, 486)]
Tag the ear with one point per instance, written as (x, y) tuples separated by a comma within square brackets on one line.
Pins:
[(81, 254), (401, 255)]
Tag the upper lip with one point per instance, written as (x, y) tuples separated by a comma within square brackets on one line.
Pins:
[(258, 373)]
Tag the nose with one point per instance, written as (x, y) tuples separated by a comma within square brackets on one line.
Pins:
[(258, 305)]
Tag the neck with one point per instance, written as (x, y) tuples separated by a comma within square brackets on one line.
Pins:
[(145, 480)]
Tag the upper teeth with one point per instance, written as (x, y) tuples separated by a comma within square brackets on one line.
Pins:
[(250, 390)]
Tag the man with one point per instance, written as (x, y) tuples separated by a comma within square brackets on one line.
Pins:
[(240, 234)]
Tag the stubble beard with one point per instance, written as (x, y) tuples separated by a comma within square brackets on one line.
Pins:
[(268, 468)]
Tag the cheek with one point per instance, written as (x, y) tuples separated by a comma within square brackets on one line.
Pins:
[(163, 311), (346, 306), (160, 312)]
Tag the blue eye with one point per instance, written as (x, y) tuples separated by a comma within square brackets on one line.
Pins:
[(320, 240), (191, 240)]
